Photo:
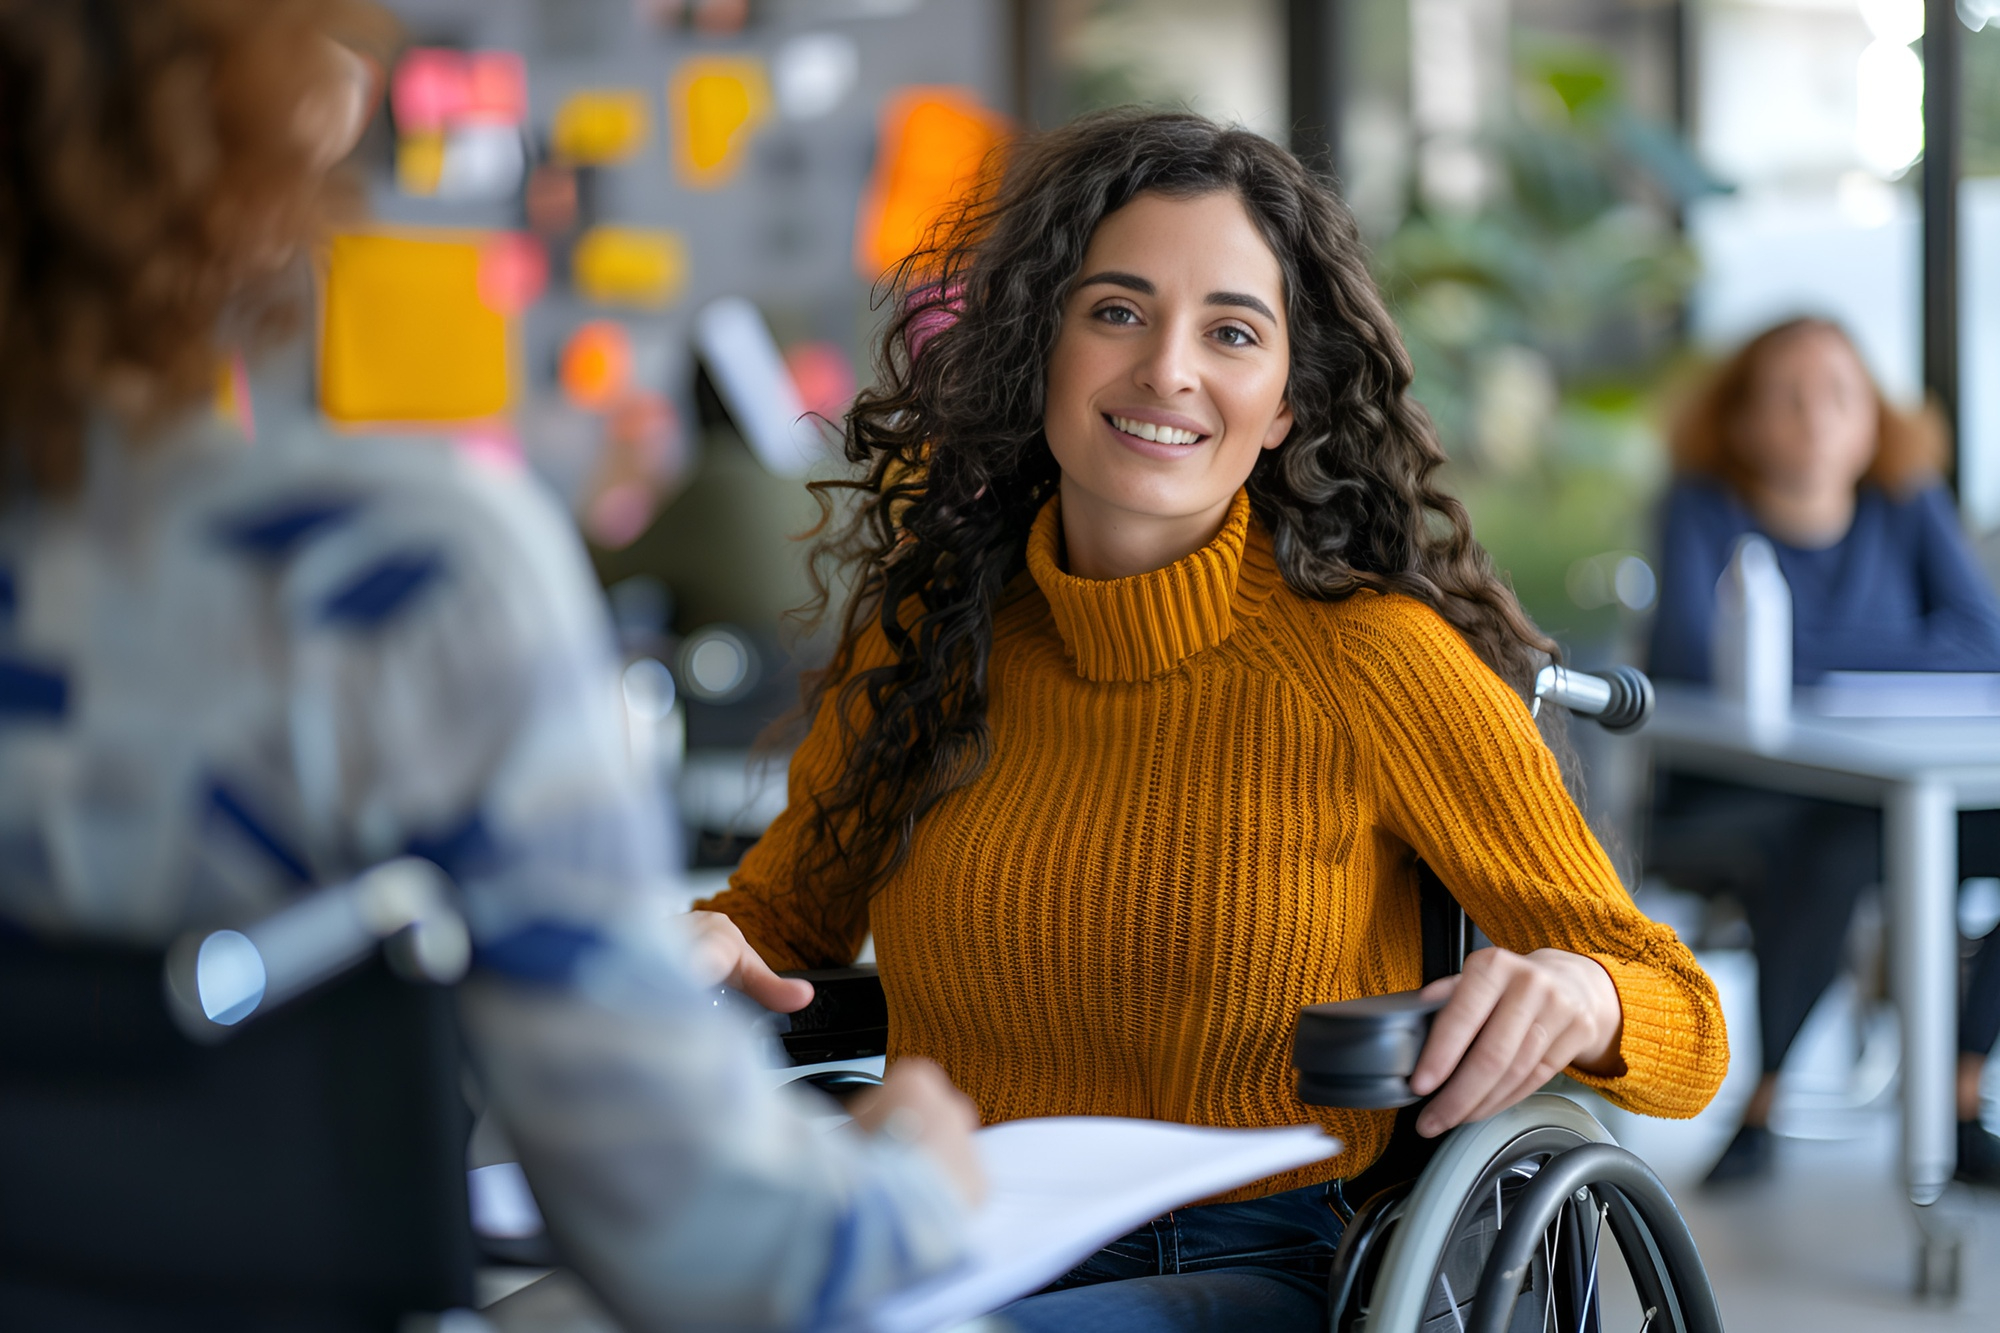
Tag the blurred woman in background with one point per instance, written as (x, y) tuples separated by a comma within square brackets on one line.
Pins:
[(1793, 440), (232, 672), (1168, 658)]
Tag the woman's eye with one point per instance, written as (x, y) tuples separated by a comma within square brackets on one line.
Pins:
[(1118, 314), (1235, 335)]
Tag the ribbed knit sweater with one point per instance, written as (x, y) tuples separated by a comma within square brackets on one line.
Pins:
[(1204, 807)]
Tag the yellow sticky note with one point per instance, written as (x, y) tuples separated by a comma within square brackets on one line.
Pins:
[(716, 103), (601, 126), (405, 336), (934, 143), (419, 163), (635, 266)]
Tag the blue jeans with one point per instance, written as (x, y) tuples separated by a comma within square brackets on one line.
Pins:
[(1224, 1266)]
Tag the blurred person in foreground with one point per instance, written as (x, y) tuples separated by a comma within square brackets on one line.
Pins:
[(232, 672), (1792, 439), (1167, 660)]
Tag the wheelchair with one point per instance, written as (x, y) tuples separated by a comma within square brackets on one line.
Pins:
[(167, 1165)]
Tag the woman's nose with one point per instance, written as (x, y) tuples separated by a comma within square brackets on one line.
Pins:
[(1168, 365)]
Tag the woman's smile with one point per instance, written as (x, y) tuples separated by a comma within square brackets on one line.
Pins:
[(1156, 434)]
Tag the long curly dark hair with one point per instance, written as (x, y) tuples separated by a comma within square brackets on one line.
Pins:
[(953, 465)]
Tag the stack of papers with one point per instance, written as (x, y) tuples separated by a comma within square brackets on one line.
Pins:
[(1061, 1188)]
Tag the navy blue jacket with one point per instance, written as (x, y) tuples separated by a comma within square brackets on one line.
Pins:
[(1900, 592)]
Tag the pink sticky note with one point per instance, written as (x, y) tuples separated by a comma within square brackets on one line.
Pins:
[(513, 269), (431, 88)]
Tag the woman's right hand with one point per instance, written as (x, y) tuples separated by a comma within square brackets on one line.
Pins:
[(723, 957), (918, 1105)]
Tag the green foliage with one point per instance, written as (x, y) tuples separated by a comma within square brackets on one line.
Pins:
[(1982, 102), (1540, 324)]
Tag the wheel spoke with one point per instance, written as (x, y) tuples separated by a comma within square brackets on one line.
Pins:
[(1550, 1251), (1452, 1302), (1590, 1287)]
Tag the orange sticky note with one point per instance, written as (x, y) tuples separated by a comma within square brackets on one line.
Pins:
[(596, 365), (405, 335), (934, 142), (607, 125), (716, 104), (636, 266)]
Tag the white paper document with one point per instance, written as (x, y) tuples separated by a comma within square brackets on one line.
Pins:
[(1060, 1188), (1904, 694)]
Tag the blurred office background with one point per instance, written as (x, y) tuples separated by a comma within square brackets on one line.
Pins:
[(1571, 203), (626, 243)]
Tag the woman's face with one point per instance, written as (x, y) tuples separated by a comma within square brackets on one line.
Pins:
[(1168, 376), (1812, 416)]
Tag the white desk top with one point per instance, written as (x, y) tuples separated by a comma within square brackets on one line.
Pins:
[(1840, 758)]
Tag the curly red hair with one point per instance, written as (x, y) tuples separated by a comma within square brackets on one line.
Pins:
[(156, 174), (1911, 448)]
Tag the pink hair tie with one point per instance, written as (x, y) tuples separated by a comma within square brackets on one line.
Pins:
[(931, 315)]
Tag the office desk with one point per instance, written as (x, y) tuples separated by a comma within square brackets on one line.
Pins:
[(1921, 772)]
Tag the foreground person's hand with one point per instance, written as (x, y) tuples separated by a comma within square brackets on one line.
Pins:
[(918, 1105), (1512, 1023), (723, 957)]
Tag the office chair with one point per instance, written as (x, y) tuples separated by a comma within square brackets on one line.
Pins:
[(275, 1140)]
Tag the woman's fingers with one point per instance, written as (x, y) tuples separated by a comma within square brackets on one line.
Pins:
[(918, 1105), (721, 956), (1511, 1024), (754, 977), (1452, 1031), (1503, 1022)]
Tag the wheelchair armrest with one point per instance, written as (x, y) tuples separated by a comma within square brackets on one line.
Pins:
[(848, 1018), (1360, 1053)]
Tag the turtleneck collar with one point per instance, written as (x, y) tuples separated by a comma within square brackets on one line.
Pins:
[(1136, 628)]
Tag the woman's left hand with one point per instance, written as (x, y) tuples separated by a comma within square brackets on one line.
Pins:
[(1513, 1021)]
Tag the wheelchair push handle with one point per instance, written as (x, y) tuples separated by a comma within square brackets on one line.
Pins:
[(1620, 698), (218, 979)]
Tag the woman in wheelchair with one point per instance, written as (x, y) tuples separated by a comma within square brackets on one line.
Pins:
[(1164, 660)]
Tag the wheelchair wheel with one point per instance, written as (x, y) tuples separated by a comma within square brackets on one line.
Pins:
[(1537, 1186)]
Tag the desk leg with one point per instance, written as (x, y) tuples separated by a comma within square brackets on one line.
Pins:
[(1921, 846)]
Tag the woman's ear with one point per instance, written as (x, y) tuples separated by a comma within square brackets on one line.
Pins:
[(331, 119), (1281, 426)]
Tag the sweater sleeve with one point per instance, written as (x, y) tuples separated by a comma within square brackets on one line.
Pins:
[(788, 924), (1465, 780)]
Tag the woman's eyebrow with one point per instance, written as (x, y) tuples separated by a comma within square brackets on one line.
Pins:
[(1112, 277), (1243, 300)]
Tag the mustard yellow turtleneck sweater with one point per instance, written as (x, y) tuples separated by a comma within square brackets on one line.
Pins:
[(1206, 798)]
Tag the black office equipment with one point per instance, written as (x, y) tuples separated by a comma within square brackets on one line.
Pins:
[(307, 1173)]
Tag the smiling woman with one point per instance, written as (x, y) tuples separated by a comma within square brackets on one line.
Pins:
[(1166, 661)]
